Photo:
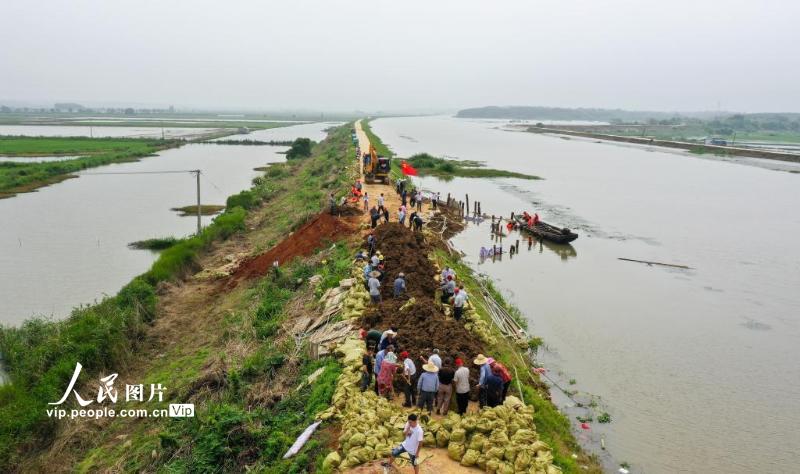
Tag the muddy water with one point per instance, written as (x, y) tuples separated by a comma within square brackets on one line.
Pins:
[(66, 244), (698, 368)]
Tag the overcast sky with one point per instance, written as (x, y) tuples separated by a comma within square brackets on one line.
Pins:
[(398, 55)]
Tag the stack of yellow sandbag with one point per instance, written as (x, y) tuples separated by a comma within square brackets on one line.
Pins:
[(478, 326)]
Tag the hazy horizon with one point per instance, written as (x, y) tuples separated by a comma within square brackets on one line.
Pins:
[(679, 56)]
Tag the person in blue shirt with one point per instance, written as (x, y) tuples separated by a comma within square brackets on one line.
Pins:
[(427, 386), (400, 285), (485, 371)]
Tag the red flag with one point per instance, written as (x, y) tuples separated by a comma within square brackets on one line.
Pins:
[(408, 169)]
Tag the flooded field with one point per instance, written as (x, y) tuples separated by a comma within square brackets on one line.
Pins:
[(697, 367), (78, 252), (101, 132)]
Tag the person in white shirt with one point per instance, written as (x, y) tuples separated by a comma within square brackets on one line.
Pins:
[(409, 380), (461, 381), (380, 202), (412, 444), (459, 299)]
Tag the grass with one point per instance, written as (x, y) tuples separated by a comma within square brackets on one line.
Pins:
[(158, 243), (428, 165), (40, 355), (702, 150), (26, 177), (205, 210), (375, 141), (250, 142), (54, 146)]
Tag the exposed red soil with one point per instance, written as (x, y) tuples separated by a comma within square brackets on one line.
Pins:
[(304, 241)]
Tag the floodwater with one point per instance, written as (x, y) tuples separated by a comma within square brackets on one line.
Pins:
[(36, 159), (697, 368), (102, 132), (66, 244), (314, 131)]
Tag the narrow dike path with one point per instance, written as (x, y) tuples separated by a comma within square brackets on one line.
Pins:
[(501, 439)]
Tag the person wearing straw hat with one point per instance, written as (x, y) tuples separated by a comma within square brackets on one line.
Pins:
[(428, 386), (483, 362), (374, 286)]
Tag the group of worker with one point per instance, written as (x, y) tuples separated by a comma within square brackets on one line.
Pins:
[(432, 387), (452, 293)]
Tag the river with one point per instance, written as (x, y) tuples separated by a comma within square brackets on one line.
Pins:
[(66, 244), (697, 368)]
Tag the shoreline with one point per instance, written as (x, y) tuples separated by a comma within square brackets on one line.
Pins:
[(691, 147)]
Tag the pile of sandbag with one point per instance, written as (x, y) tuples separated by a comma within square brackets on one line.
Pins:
[(371, 425), (478, 326), (497, 440)]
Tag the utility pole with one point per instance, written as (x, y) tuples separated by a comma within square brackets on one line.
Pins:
[(199, 225)]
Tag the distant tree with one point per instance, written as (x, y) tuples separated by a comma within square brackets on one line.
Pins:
[(129, 111), (301, 148)]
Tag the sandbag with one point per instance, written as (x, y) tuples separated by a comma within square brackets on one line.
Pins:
[(510, 453), (513, 402), (523, 460), (499, 438), (442, 438), (539, 446), (332, 461), (553, 469), (526, 437), (470, 457), (495, 452), (492, 465), (469, 423), (456, 451), (484, 425), (429, 439), (358, 439), (458, 435), (476, 442)]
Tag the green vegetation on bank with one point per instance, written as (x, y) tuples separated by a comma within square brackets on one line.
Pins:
[(250, 142), (40, 355), (158, 243), (428, 165), (301, 148), (380, 148), (25, 177), (205, 210)]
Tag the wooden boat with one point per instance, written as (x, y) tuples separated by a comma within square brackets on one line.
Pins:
[(546, 231)]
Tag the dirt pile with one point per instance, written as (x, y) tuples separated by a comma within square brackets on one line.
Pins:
[(422, 326), (304, 241)]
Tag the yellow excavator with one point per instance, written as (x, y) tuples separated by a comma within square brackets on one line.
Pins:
[(376, 167)]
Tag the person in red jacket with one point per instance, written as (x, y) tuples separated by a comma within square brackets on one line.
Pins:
[(501, 371), (535, 218)]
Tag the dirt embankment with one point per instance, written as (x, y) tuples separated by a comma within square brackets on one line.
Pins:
[(422, 326), (304, 241)]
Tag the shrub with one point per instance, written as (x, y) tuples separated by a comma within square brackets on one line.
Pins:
[(138, 295), (245, 199), (301, 148)]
